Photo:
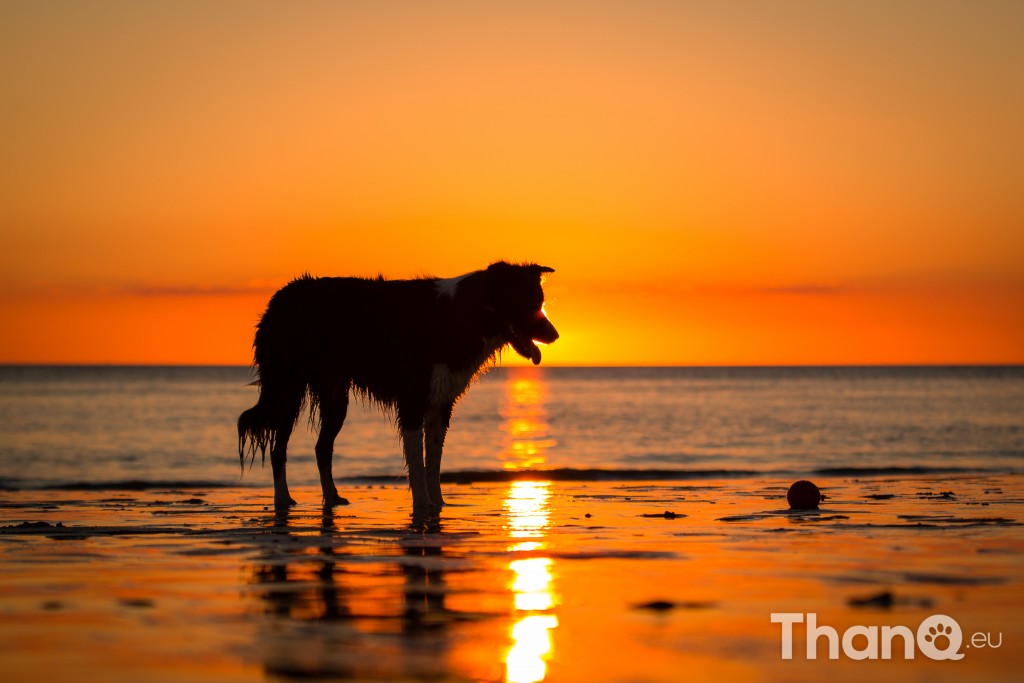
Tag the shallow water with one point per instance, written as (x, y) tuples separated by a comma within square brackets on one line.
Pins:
[(519, 582), (605, 525), (72, 425)]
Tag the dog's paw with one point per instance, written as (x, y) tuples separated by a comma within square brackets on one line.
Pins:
[(425, 509), (436, 498), (334, 499), (284, 502)]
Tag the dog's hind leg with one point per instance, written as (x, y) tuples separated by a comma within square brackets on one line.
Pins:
[(284, 404), (333, 409), (278, 459), (436, 428)]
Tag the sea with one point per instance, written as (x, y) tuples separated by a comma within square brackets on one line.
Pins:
[(149, 427)]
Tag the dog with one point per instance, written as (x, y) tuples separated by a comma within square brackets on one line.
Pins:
[(411, 346)]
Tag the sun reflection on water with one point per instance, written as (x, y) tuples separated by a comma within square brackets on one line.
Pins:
[(527, 510), (532, 584), (525, 420), (528, 515), (526, 661)]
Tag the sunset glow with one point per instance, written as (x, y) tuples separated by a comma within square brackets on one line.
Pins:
[(713, 183)]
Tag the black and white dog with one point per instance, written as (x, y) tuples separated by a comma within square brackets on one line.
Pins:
[(412, 346)]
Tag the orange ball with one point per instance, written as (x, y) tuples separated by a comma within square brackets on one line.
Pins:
[(803, 495)]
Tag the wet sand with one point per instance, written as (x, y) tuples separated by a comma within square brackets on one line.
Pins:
[(516, 581)]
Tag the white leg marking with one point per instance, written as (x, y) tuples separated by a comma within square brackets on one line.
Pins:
[(434, 443), (412, 445)]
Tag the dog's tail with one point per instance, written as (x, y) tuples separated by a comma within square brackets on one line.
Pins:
[(254, 433)]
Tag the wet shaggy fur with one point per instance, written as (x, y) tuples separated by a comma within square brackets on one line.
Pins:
[(412, 346)]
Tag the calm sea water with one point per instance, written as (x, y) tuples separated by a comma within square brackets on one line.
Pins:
[(69, 425)]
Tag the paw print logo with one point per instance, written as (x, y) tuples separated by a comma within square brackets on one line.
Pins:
[(939, 637), (939, 631)]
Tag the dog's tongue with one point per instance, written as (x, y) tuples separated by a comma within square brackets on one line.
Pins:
[(534, 353), (524, 346)]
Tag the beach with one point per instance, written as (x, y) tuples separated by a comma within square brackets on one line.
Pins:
[(604, 524), (705, 317), (515, 581)]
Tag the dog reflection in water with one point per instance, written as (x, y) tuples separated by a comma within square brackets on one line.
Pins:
[(411, 346), (326, 617)]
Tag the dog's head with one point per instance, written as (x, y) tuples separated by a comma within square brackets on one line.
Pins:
[(514, 307)]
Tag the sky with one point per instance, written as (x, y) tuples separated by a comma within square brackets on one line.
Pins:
[(714, 183)]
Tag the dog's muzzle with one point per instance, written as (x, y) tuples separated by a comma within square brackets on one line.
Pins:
[(540, 330)]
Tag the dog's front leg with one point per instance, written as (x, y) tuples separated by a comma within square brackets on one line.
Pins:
[(412, 445), (436, 428)]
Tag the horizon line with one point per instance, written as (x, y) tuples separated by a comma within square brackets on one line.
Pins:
[(619, 366)]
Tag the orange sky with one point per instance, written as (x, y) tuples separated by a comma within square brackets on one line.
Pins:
[(715, 183)]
